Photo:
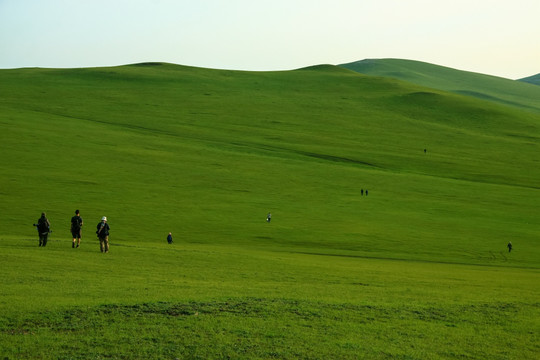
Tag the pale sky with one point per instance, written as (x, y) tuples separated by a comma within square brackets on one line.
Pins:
[(495, 37)]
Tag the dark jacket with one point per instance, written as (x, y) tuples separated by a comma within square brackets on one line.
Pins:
[(43, 225), (102, 229), (76, 223)]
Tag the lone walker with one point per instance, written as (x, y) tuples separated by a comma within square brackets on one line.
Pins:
[(268, 217), (76, 225), (43, 227), (103, 234), (169, 238), (509, 246)]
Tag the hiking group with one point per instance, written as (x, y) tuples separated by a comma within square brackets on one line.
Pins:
[(44, 228)]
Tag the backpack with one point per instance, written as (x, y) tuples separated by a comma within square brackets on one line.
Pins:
[(42, 225), (102, 230), (76, 222)]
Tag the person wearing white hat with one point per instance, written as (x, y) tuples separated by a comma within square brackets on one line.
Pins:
[(103, 234)]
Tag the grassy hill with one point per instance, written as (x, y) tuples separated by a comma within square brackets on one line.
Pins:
[(535, 79), (411, 270), (495, 89)]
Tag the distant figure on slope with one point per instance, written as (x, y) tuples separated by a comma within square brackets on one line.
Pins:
[(509, 246), (76, 225), (366, 192), (362, 192), (43, 227), (103, 234), (169, 238), (268, 217), (425, 151)]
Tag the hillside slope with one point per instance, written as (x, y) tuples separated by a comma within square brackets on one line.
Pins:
[(207, 153), (495, 89), (535, 79)]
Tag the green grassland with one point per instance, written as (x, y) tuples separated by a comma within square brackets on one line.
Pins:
[(417, 269)]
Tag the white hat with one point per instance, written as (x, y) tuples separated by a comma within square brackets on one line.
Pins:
[(104, 218)]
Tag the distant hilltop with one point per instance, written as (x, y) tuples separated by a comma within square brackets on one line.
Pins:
[(535, 79), (516, 93)]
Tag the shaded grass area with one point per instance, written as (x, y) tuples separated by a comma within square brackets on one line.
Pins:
[(262, 328)]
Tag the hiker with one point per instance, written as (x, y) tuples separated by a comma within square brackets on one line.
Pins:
[(76, 225), (169, 238), (103, 234), (362, 192), (43, 227), (366, 192), (268, 217), (509, 246)]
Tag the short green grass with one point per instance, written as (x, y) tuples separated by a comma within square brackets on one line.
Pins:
[(417, 269), (203, 301)]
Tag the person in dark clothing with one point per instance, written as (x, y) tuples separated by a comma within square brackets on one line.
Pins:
[(509, 246), (43, 227), (268, 217), (169, 238), (103, 234), (76, 225)]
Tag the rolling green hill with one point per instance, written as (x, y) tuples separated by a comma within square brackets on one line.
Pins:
[(491, 88), (411, 270), (209, 152), (535, 79)]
